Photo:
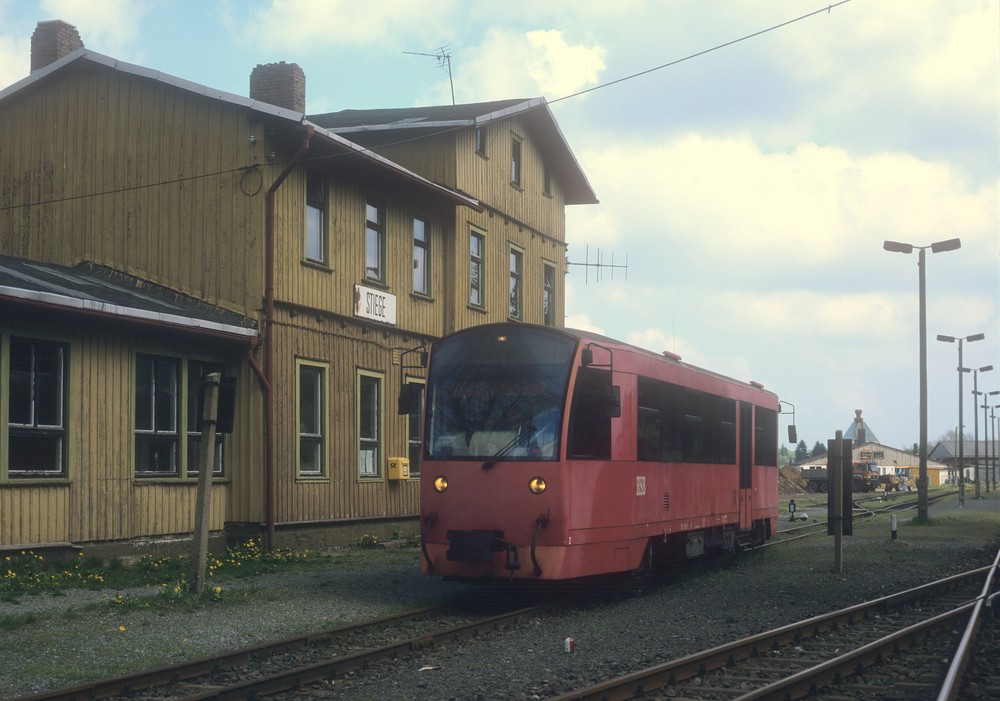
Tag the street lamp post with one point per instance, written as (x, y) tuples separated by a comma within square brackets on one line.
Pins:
[(975, 421), (994, 419), (961, 401), (937, 247), (986, 436)]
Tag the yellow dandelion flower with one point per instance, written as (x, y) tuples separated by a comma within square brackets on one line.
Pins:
[(121, 629)]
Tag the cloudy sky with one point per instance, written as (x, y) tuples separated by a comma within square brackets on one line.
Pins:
[(751, 156)]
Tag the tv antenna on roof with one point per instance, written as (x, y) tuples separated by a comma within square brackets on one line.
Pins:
[(443, 57), (599, 264)]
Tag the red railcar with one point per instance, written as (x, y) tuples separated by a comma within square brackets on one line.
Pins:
[(557, 454)]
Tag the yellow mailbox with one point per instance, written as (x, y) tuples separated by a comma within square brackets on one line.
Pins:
[(399, 469)]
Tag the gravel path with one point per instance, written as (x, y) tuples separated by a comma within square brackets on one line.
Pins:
[(615, 629)]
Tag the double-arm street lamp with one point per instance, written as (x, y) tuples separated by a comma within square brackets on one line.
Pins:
[(961, 401), (993, 427), (937, 247), (975, 396), (987, 425)]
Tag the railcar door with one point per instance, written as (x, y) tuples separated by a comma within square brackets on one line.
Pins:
[(746, 465)]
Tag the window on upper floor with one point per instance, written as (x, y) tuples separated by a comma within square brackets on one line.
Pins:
[(515, 161), (477, 253), (548, 294), (481, 141), (516, 288), (315, 235), (36, 396), (375, 241), (421, 256)]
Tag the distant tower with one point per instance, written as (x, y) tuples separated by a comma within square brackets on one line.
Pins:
[(858, 431)]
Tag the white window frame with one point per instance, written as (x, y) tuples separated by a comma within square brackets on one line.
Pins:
[(35, 428)]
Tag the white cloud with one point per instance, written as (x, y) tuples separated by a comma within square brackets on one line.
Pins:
[(723, 202), (110, 27), (15, 59), (511, 63), (294, 24)]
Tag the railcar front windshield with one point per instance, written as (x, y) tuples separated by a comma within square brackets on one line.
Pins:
[(497, 393)]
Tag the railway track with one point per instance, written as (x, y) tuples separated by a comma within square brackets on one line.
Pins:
[(290, 663), (867, 651)]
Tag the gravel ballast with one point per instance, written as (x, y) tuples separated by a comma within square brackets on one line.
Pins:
[(79, 635)]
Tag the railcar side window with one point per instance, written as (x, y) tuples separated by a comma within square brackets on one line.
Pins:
[(680, 424), (765, 426), (590, 424)]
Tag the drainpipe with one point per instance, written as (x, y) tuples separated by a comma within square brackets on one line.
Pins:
[(267, 381)]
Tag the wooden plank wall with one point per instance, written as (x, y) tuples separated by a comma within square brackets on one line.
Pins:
[(101, 499), (345, 347), (139, 176)]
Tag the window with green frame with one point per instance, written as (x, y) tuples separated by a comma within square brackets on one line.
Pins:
[(312, 410)]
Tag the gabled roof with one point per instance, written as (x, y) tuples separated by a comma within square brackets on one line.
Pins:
[(535, 112), (83, 58), (108, 293)]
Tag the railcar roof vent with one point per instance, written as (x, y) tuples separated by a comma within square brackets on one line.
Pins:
[(756, 384), (672, 356)]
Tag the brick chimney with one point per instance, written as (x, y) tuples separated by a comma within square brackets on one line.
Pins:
[(282, 84), (51, 41)]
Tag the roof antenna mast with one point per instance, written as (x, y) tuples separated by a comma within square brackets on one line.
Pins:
[(443, 57), (600, 265)]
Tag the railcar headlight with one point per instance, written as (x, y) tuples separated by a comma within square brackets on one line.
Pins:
[(537, 485), (440, 484)]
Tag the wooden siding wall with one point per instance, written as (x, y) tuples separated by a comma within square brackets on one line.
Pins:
[(526, 217), (101, 499), (140, 176), (345, 348), (329, 288)]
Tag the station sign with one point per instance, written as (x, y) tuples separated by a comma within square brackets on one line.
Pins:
[(373, 304)]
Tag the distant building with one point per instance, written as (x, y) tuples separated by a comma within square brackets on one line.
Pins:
[(890, 461)]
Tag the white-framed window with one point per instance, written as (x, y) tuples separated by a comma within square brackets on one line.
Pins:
[(516, 287), (36, 416), (415, 428), (312, 409), (515, 161), (481, 141), (168, 415), (157, 415), (369, 425), (316, 205), (548, 293), (196, 372), (374, 240), (477, 268), (421, 256)]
